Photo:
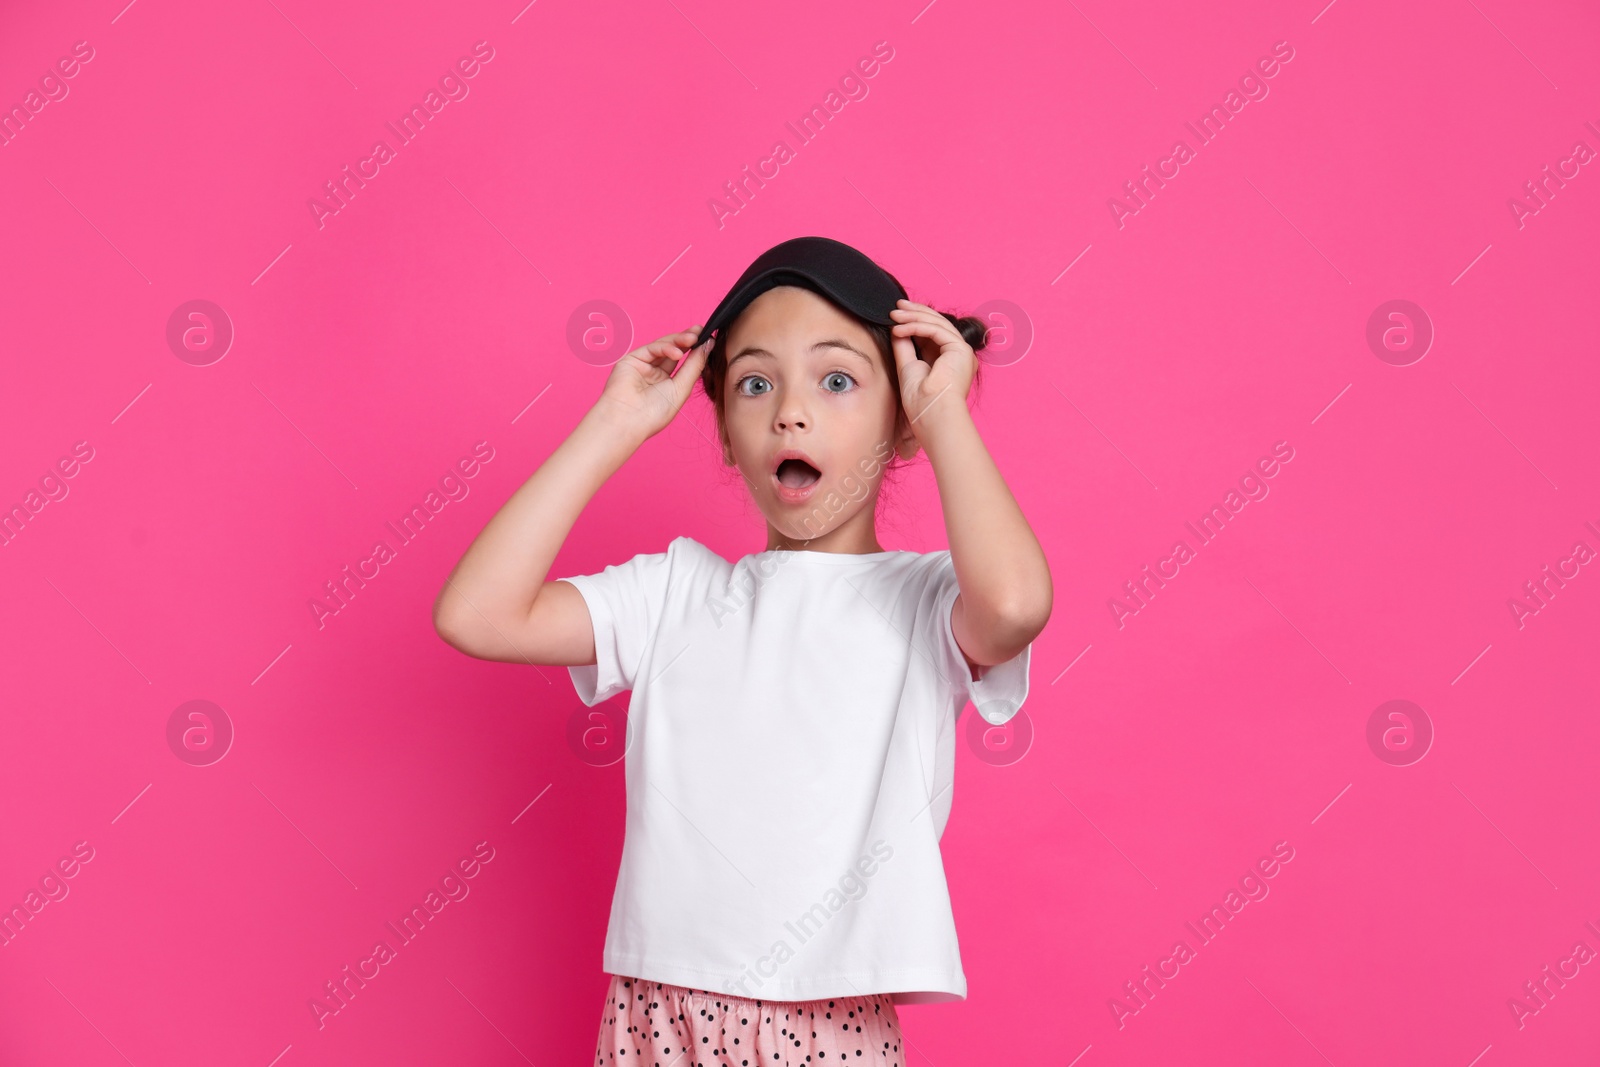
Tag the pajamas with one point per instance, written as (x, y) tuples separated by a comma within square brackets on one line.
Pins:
[(653, 1024)]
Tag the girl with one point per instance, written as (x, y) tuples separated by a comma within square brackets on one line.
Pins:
[(781, 887)]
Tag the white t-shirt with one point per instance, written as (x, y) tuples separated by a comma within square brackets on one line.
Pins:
[(791, 768)]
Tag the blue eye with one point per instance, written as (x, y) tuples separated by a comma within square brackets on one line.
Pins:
[(838, 382), (753, 385)]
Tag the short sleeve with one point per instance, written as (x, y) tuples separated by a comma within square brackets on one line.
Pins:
[(1000, 691), (625, 604)]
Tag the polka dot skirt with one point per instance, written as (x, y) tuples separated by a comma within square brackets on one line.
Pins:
[(652, 1024)]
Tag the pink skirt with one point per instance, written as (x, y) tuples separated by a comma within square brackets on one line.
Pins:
[(653, 1024)]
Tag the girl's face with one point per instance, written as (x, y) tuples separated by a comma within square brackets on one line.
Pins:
[(811, 416)]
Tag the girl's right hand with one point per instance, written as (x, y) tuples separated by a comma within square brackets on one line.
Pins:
[(643, 392)]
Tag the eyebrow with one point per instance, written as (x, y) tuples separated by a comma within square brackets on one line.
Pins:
[(832, 342)]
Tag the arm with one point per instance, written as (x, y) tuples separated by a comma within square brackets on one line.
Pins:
[(1005, 582), (1005, 585), (497, 604)]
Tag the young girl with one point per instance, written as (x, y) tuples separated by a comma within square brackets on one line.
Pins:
[(794, 714)]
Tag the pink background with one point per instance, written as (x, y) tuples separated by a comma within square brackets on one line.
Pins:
[(372, 353)]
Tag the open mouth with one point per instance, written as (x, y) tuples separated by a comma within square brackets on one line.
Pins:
[(797, 474), (796, 477)]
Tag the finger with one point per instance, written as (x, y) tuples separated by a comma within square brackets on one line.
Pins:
[(941, 339), (911, 311), (688, 373), (657, 351), (680, 340), (905, 355), (688, 340), (703, 344), (666, 358), (919, 313), (679, 355), (661, 356), (941, 332), (941, 323)]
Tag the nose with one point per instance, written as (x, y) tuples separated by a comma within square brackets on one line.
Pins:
[(792, 414)]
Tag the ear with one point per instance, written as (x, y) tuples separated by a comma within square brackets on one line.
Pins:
[(906, 445), (727, 446)]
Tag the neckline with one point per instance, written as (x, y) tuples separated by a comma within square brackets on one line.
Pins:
[(813, 556)]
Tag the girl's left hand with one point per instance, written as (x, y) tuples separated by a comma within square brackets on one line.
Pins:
[(947, 367)]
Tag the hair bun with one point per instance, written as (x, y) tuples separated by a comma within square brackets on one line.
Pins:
[(972, 330)]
